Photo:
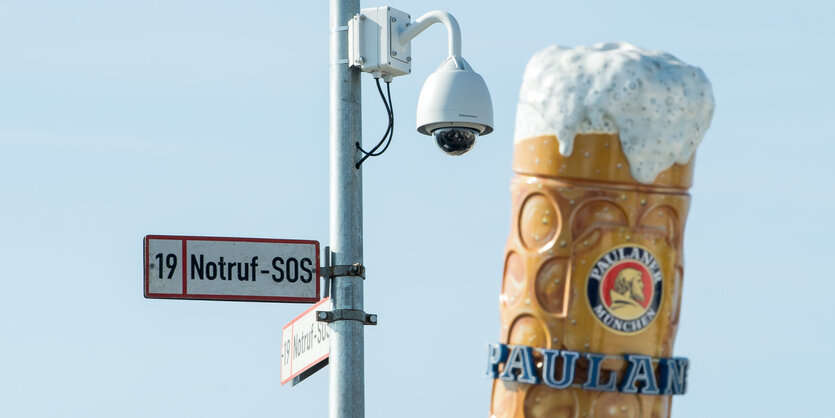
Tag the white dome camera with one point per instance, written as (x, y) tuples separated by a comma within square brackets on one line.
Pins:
[(454, 104), (455, 107)]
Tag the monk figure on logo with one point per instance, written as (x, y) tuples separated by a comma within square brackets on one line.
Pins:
[(628, 294)]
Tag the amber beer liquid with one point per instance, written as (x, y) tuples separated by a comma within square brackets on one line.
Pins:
[(569, 213)]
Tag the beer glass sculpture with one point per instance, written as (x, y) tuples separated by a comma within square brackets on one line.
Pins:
[(603, 155)]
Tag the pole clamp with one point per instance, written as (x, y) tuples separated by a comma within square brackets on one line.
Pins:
[(329, 271), (346, 315), (356, 269)]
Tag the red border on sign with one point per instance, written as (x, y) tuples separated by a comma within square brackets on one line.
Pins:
[(290, 324), (185, 270), (241, 298)]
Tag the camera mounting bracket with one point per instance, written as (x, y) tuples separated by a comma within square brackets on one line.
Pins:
[(380, 39)]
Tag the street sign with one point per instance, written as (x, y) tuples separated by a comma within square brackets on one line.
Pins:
[(305, 344), (245, 269)]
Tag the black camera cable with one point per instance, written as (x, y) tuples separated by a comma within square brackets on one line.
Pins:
[(389, 130)]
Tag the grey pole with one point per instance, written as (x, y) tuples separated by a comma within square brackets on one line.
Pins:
[(347, 360)]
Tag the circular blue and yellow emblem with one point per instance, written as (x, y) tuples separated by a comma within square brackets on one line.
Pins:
[(624, 289)]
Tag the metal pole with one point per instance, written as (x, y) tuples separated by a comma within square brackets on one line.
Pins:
[(347, 381)]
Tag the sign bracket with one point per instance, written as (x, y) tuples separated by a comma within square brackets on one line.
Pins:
[(357, 270), (330, 271)]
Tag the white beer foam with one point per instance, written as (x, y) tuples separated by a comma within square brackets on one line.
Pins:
[(659, 105)]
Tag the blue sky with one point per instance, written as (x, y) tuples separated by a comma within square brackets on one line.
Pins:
[(121, 119)]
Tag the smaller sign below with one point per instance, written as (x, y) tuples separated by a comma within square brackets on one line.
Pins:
[(305, 344), (243, 269)]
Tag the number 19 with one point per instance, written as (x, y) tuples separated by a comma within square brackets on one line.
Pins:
[(170, 262)]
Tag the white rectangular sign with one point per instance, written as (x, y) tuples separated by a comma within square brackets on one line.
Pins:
[(305, 342), (247, 269)]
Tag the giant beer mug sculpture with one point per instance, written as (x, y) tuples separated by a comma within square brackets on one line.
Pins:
[(603, 155)]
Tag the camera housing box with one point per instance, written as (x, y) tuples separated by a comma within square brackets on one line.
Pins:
[(374, 45)]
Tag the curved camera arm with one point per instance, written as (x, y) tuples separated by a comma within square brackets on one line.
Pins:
[(436, 16)]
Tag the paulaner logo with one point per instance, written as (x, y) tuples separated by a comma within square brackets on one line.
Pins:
[(561, 369), (624, 288)]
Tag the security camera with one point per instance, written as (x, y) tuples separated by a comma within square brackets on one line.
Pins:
[(454, 104), (455, 107)]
